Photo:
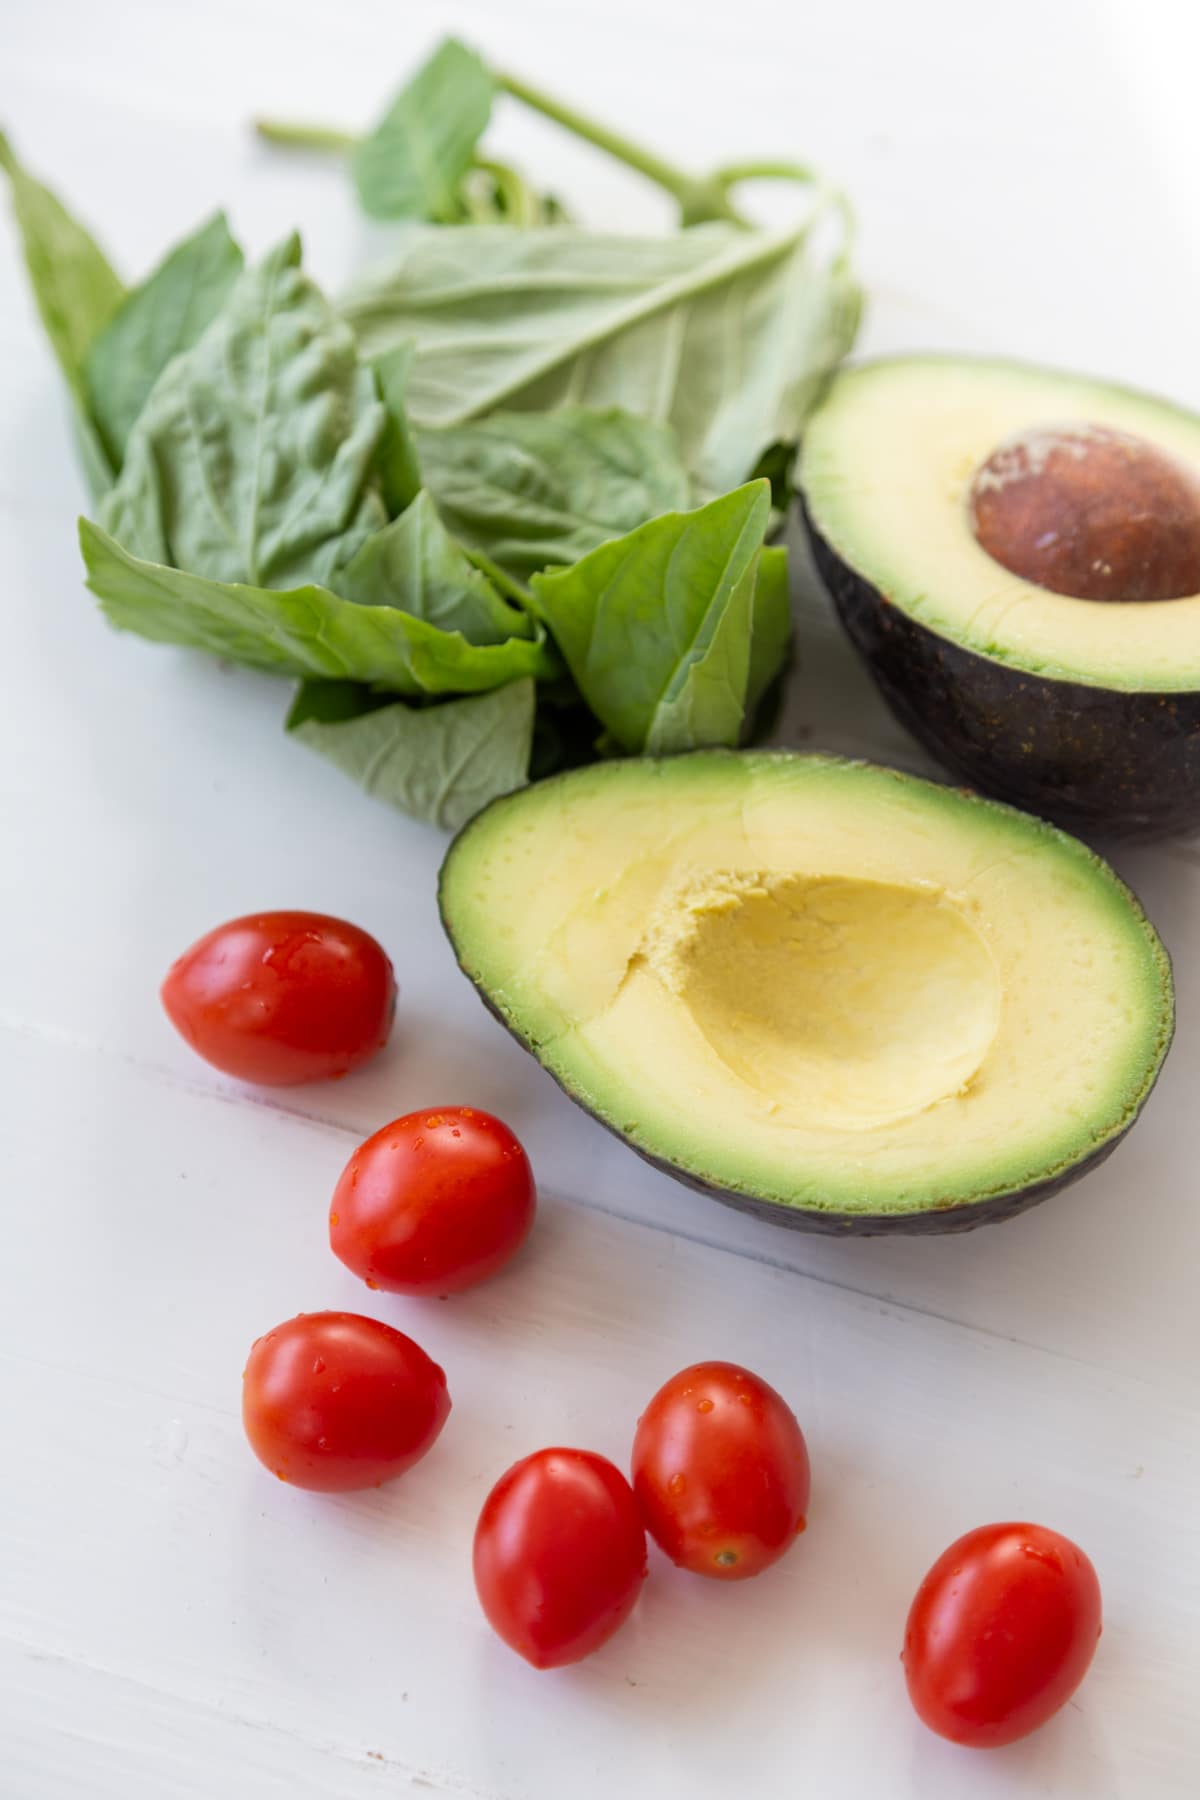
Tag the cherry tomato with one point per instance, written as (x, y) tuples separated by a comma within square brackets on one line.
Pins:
[(1001, 1633), (333, 1401), (434, 1202), (560, 1555), (720, 1470), (283, 997)]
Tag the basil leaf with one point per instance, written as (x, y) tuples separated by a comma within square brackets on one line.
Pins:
[(771, 626), (250, 462), (98, 471), (412, 164), (441, 763), (656, 627), (396, 464), (161, 317), (531, 489), (725, 335), (302, 631), (76, 290), (414, 564), (705, 699), (489, 309)]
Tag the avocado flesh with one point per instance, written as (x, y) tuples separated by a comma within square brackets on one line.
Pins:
[(846, 997), (887, 466), (1085, 711)]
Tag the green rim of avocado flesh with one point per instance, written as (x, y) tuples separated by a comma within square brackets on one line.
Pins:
[(843, 997)]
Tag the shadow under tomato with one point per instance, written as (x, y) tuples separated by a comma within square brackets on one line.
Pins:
[(332, 1558), (1065, 1756)]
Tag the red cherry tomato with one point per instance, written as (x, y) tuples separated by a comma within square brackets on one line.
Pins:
[(560, 1555), (1001, 1633), (332, 1401), (283, 997), (720, 1470), (434, 1202)]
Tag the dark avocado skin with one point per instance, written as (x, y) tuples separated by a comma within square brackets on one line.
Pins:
[(934, 1221), (1100, 762)]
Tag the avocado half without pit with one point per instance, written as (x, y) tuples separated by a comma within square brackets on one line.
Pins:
[(1016, 553), (843, 998)]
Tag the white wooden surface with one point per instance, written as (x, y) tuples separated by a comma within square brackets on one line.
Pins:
[(172, 1622)]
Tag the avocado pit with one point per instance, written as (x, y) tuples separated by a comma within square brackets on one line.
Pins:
[(1091, 513), (845, 1004)]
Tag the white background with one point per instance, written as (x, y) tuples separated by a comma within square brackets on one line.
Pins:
[(172, 1622)]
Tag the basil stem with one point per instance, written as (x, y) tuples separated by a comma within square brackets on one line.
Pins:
[(304, 137), (705, 198)]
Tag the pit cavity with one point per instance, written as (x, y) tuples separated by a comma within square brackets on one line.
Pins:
[(846, 1004), (1091, 513)]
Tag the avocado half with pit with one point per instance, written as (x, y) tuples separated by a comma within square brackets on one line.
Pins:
[(1016, 553), (843, 998)]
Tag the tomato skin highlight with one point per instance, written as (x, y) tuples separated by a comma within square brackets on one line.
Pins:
[(281, 998), (1001, 1633), (560, 1555), (332, 1401), (434, 1202), (721, 1472)]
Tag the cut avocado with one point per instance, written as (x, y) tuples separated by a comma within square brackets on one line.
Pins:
[(1016, 552), (844, 998)]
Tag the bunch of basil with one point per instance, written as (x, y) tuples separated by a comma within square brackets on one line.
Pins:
[(456, 506)]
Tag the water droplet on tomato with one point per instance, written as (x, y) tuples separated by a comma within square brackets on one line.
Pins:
[(677, 1484), (333, 1218), (801, 1525), (319, 1366), (704, 1406), (373, 1285)]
